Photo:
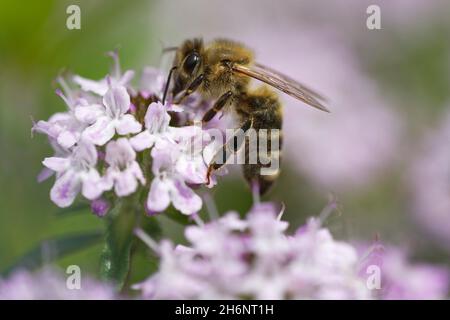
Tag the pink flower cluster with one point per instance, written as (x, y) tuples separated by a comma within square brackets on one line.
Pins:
[(104, 140), (234, 258)]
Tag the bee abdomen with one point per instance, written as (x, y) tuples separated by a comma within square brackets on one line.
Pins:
[(267, 123), (267, 169)]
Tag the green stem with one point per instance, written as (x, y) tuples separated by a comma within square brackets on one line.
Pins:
[(116, 255)]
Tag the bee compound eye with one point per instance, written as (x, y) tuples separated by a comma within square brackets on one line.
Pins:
[(191, 62)]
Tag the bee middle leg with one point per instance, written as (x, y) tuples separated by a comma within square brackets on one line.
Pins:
[(218, 105)]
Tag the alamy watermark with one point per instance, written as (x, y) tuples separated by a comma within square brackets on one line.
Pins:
[(373, 21), (73, 21), (373, 281), (73, 281)]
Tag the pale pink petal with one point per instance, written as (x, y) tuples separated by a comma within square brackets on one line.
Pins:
[(158, 198), (152, 80), (128, 124), (56, 164), (61, 117), (135, 169), (192, 170), (65, 189), (100, 132), (44, 175), (66, 139), (89, 114), (107, 181), (99, 87), (125, 183), (119, 153), (184, 199), (42, 127), (86, 153), (142, 141), (126, 77), (117, 100), (156, 118), (162, 158), (92, 187)]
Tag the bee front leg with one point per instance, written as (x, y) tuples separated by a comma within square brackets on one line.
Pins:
[(192, 88), (218, 105)]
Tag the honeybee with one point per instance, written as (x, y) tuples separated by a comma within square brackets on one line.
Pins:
[(222, 70)]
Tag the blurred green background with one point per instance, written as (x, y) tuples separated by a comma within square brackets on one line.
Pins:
[(36, 46)]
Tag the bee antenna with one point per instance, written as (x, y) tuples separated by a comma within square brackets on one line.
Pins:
[(167, 84)]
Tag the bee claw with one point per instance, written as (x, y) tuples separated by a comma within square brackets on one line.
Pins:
[(208, 175)]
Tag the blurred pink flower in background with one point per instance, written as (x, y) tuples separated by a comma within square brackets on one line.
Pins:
[(50, 284), (406, 281), (401, 279), (429, 181), (349, 147)]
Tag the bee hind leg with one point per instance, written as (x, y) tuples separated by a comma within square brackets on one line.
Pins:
[(231, 146)]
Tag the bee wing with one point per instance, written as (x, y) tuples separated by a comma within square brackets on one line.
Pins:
[(294, 82), (283, 83)]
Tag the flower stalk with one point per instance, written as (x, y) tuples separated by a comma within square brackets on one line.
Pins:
[(117, 252)]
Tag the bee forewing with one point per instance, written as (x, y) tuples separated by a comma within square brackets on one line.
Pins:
[(283, 83), (292, 81)]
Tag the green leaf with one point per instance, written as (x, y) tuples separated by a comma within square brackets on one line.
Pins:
[(144, 261), (152, 227), (178, 217), (115, 259), (52, 249)]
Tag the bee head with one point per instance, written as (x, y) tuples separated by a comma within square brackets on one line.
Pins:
[(188, 60)]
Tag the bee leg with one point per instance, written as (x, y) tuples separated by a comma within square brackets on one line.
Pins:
[(218, 105), (192, 87), (258, 183), (233, 144), (166, 88)]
